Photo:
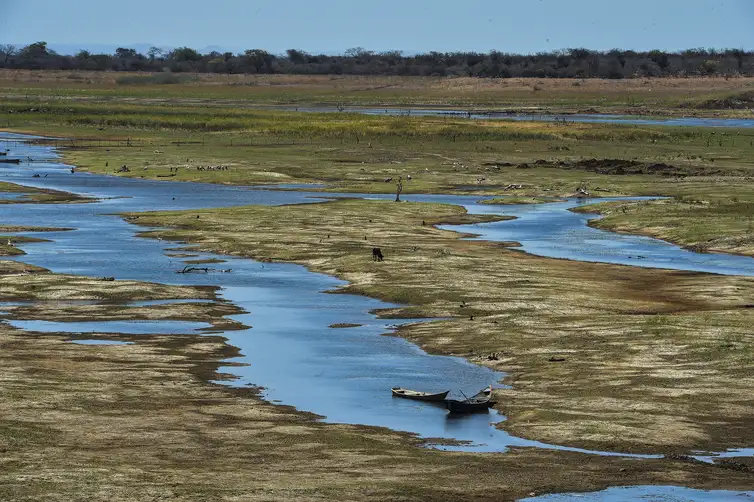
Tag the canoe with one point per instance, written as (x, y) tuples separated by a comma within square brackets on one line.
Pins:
[(471, 405), (479, 402), (419, 396)]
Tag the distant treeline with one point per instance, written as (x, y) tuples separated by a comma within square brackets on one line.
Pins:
[(570, 63)]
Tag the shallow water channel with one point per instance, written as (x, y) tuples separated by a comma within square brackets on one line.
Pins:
[(648, 494), (533, 116), (344, 375)]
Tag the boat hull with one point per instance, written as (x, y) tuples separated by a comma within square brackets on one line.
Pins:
[(420, 396), (473, 406)]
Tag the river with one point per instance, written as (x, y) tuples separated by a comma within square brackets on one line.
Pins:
[(343, 375)]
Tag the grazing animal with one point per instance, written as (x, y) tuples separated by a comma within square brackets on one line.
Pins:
[(377, 254)]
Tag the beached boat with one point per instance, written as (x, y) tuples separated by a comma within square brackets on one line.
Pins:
[(479, 402), (419, 396)]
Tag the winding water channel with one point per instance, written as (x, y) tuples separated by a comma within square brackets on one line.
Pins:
[(342, 374)]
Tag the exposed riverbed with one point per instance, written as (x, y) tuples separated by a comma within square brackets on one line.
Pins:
[(341, 374)]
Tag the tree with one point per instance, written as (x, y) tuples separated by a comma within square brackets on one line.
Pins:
[(35, 51), (7, 51), (740, 55), (259, 60), (297, 57), (615, 68), (359, 54), (217, 64), (660, 58), (577, 62), (127, 59), (184, 54), (580, 53), (123, 53), (355, 52), (38, 56), (155, 53)]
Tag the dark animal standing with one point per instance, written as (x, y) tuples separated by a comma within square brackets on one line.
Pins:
[(377, 254)]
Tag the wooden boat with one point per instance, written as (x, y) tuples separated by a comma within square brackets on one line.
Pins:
[(480, 402), (419, 396), (10, 161)]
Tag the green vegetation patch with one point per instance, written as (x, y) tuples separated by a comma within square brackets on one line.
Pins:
[(19, 228)]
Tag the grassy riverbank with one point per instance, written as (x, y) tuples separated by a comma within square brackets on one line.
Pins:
[(522, 162), (351, 152), (8, 242), (30, 195), (717, 225), (643, 361)]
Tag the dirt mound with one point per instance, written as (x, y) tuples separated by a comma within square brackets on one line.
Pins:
[(620, 167), (626, 167), (742, 101)]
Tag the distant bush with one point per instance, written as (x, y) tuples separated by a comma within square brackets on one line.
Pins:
[(567, 63), (155, 79)]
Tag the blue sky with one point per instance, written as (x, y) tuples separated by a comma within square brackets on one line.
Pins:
[(411, 25)]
